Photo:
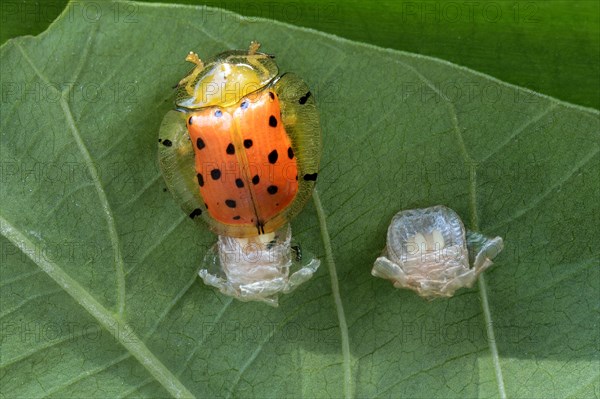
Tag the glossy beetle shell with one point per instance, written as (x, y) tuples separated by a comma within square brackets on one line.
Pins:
[(208, 135)]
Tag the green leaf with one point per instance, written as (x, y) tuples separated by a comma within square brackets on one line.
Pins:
[(100, 296), (549, 46)]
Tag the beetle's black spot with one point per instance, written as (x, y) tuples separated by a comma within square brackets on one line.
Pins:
[(272, 190), (304, 98), (215, 174), (255, 179), (167, 143), (230, 203), (195, 212), (236, 217), (247, 143), (296, 177), (272, 121), (230, 149), (272, 95), (290, 153), (200, 179), (273, 156), (200, 143), (310, 177), (239, 183), (190, 120)]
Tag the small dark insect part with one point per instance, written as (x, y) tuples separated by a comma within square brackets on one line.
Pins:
[(297, 252)]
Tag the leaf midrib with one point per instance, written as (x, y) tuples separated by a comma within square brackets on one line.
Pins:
[(110, 321)]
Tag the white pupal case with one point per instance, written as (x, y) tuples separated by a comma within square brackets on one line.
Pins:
[(257, 268), (429, 251)]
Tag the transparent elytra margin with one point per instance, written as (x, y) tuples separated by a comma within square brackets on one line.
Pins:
[(258, 268), (430, 252)]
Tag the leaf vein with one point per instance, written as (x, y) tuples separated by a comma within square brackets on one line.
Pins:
[(193, 352), (434, 367), (142, 190), (520, 130), (50, 344), (474, 225), (107, 319), (23, 276), (119, 266), (27, 300), (110, 220), (135, 388), (84, 55), (157, 243), (257, 351), (335, 290), (170, 306), (85, 374), (536, 201)]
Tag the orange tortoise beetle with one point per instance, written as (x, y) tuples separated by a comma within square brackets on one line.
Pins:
[(241, 151)]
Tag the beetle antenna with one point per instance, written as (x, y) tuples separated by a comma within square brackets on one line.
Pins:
[(254, 46)]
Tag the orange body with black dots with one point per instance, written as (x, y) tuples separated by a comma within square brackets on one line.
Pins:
[(245, 163), (241, 151)]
